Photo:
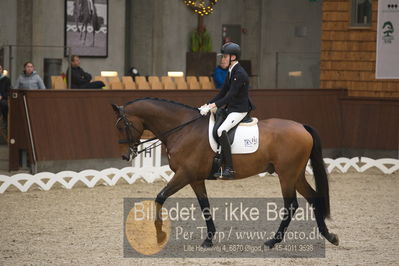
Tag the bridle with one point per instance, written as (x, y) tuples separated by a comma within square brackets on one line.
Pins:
[(133, 145), (128, 127)]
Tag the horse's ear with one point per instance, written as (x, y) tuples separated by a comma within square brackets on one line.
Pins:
[(116, 108)]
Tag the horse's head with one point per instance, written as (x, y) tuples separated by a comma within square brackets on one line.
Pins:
[(130, 130)]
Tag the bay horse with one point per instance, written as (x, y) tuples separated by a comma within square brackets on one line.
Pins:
[(284, 146), (85, 13)]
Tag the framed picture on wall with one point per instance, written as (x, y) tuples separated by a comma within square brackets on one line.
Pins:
[(86, 28)]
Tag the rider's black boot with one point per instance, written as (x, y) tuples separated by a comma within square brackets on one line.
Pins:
[(228, 172)]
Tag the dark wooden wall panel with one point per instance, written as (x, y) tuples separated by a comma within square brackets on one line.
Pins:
[(80, 124), (370, 123), (19, 134), (318, 108)]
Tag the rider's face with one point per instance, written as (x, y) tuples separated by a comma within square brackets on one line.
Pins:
[(225, 60), (223, 63)]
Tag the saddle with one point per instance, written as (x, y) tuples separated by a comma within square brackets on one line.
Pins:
[(245, 134), (220, 116)]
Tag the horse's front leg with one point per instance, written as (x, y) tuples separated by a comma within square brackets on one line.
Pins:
[(200, 191), (179, 180)]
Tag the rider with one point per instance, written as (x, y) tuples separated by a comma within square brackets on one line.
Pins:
[(233, 95)]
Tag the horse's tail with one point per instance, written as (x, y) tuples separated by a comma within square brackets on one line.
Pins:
[(320, 174)]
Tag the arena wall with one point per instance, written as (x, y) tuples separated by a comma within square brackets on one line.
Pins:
[(348, 54), (41, 23), (80, 124), (8, 16), (153, 35)]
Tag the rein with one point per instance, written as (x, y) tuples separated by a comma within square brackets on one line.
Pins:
[(162, 135)]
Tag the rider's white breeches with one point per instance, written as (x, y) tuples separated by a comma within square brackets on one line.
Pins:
[(231, 121)]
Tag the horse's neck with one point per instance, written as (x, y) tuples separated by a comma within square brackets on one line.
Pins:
[(159, 119), (166, 121)]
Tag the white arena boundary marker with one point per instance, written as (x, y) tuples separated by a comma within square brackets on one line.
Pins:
[(150, 173)]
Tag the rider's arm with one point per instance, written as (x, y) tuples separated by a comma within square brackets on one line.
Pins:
[(236, 83)]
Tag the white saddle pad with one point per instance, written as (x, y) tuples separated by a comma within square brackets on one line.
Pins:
[(246, 139)]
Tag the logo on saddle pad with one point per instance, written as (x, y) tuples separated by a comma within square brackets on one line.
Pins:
[(246, 138), (251, 142)]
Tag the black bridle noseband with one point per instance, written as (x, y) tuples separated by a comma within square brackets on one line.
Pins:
[(128, 127)]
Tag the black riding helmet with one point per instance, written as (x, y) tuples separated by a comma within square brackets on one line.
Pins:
[(232, 49)]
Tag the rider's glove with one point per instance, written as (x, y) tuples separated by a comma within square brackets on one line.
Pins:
[(204, 109)]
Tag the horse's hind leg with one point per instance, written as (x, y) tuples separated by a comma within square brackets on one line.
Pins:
[(200, 191), (290, 206), (179, 180), (310, 195)]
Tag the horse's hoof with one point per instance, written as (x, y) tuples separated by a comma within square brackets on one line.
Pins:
[(270, 243), (333, 239), (161, 237), (207, 243)]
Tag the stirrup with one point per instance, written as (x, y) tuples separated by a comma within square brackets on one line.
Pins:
[(218, 173), (227, 174)]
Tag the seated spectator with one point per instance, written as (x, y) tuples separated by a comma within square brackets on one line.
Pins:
[(29, 79), (81, 79), (219, 75), (5, 86)]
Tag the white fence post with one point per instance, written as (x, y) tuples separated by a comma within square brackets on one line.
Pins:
[(149, 157)]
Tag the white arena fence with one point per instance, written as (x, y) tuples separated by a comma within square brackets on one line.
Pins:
[(147, 167), (110, 176)]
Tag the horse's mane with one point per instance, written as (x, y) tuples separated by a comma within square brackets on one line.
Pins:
[(163, 100)]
